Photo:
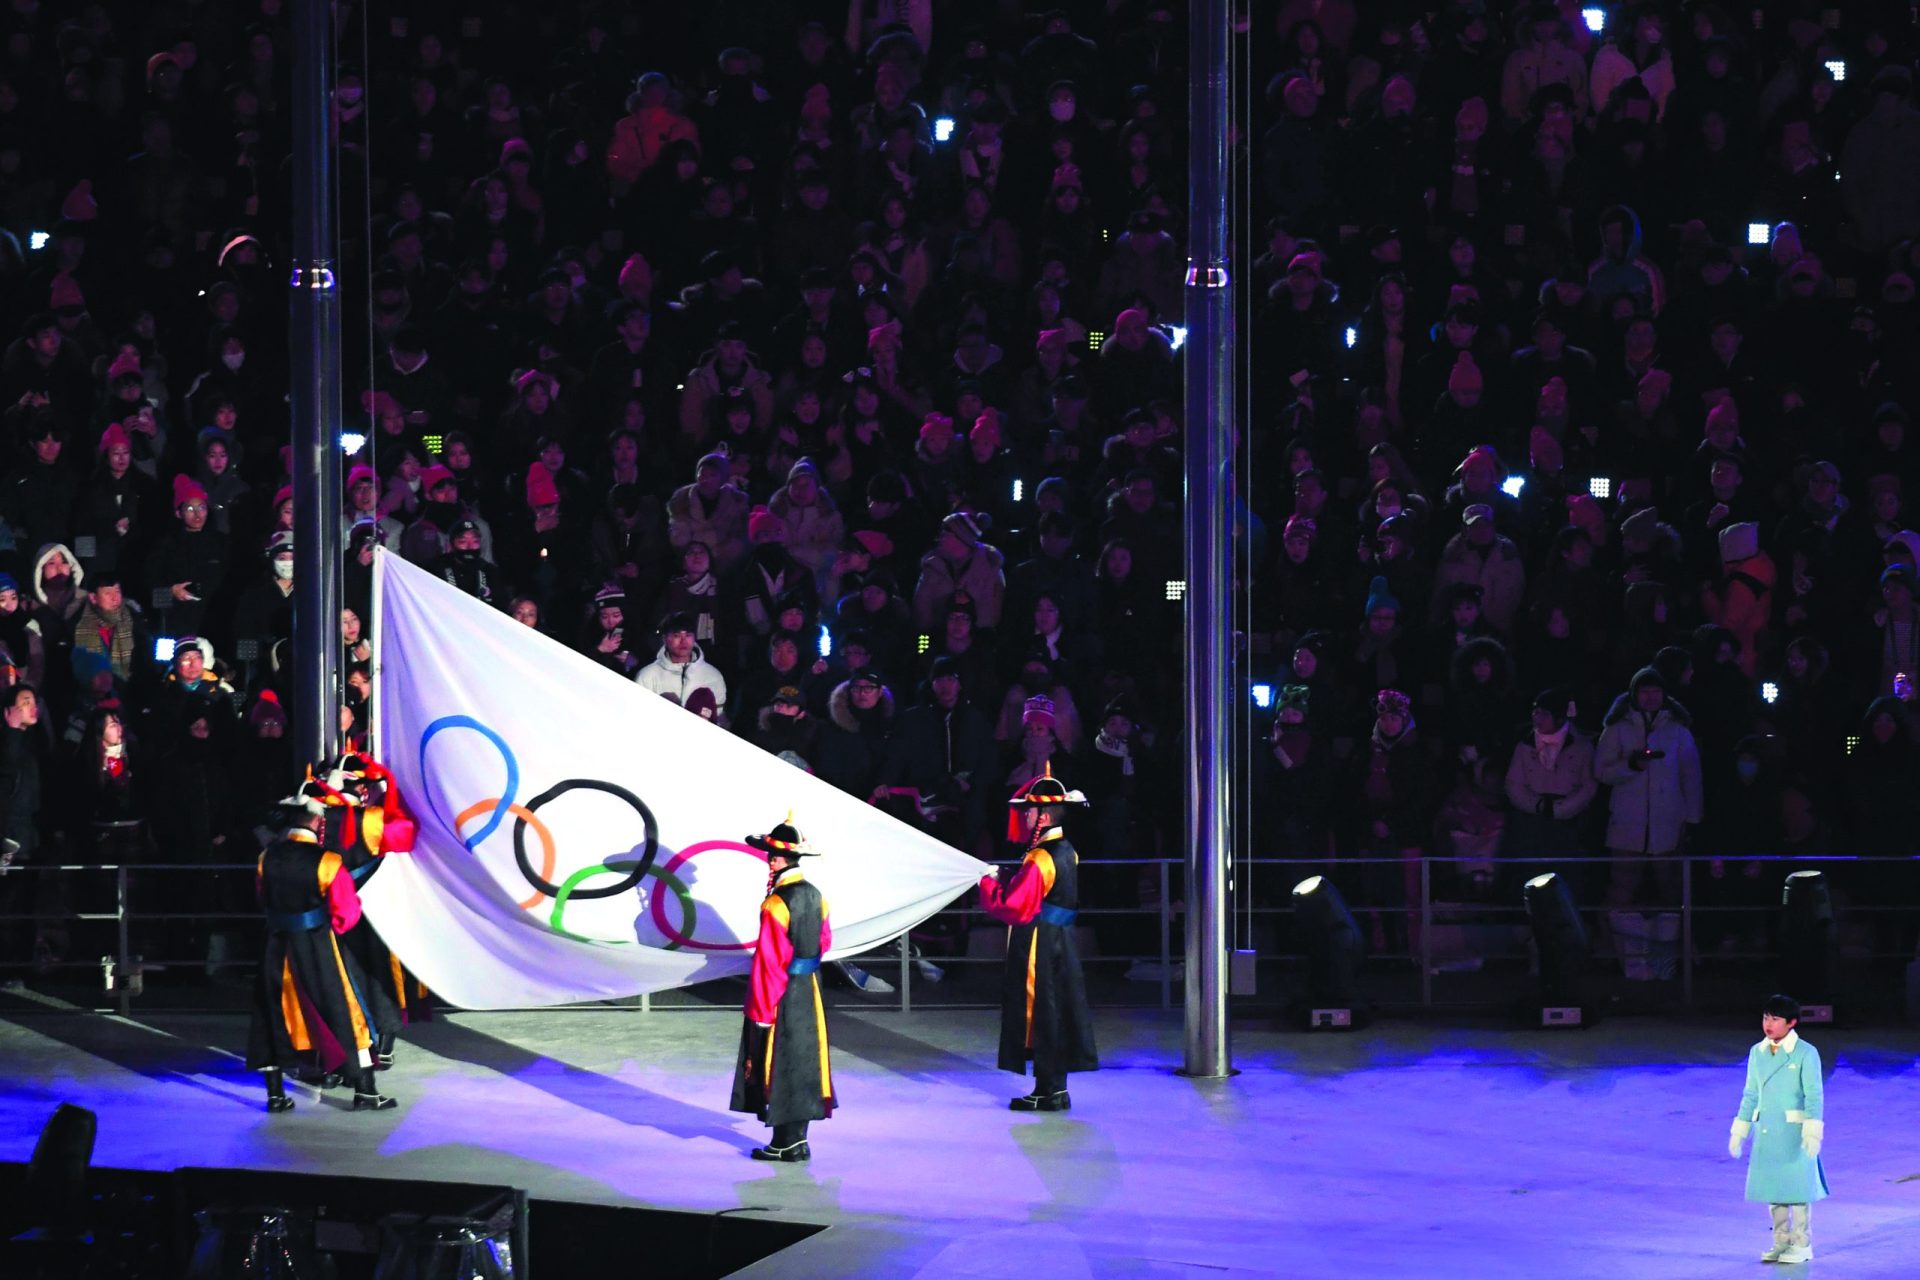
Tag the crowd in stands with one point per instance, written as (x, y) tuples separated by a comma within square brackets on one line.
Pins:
[(1585, 346), (815, 365)]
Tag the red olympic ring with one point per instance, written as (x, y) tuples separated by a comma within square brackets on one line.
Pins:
[(658, 904)]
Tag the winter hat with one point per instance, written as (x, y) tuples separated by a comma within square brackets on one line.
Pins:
[(938, 428), (1739, 542), (1583, 512), (1051, 340), (114, 436), (804, 467), (986, 428), (186, 489), (714, 459), (1393, 702), (267, 709), (280, 541), (436, 475), (282, 496), (1038, 709), (1644, 677), (79, 205), (541, 489), (963, 525), (703, 703), (125, 365), (1898, 575), (608, 596), (1909, 543), (875, 543), (1379, 597), (1465, 376), (463, 526), (1398, 525), (1300, 525), (65, 294), (8, 583), (357, 476), (885, 337), (1642, 525), (636, 275), (764, 526), (1475, 513), (1556, 702)]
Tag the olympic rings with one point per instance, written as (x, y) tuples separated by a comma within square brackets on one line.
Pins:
[(689, 911), (547, 851), (504, 805), (674, 863), (628, 881)]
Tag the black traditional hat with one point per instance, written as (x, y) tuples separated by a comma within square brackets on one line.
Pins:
[(785, 840)]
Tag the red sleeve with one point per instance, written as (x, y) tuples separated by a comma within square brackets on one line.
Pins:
[(771, 953), (343, 900), (1018, 901)]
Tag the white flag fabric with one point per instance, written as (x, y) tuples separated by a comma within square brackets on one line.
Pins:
[(581, 838)]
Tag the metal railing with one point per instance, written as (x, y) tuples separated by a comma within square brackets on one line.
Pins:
[(1260, 922)]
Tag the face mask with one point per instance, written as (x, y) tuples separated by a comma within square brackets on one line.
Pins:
[(283, 569), (234, 361), (1061, 111), (1747, 769)]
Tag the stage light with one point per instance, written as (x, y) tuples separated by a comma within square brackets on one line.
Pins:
[(1330, 943), (1769, 692), (1807, 941), (1758, 233), (1094, 338), (922, 644), (1596, 19), (1853, 743), (1019, 489), (826, 642), (1600, 487), (255, 1242), (1263, 696), (1512, 485), (1560, 938), (352, 442), (434, 443), (163, 647), (1176, 589), (37, 240), (1352, 337), (1177, 336), (1838, 67), (943, 128)]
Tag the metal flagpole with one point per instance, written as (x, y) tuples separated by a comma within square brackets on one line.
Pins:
[(314, 315), (1209, 590)]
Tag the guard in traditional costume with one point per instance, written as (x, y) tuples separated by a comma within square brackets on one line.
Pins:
[(367, 820), (783, 1074), (310, 1009), (1783, 1108), (1044, 1018)]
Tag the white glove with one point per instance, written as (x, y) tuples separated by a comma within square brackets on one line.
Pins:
[(767, 1025), (1812, 1134), (1737, 1137)]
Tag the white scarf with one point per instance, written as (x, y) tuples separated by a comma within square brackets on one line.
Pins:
[(1548, 745), (1115, 747)]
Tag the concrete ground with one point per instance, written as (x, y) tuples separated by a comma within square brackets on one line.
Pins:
[(1403, 1150)]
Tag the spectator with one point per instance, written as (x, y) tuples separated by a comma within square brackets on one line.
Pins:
[(1647, 756), (681, 674)]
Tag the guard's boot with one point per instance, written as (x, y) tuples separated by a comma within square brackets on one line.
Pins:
[(383, 1052), (367, 1095), (1053, 1100), (277, 1099)]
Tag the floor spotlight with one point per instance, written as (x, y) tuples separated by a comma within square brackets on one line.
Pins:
[(1561, 940), (1808, 941), (1330, 942)]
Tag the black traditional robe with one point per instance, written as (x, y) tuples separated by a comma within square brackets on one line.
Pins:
[(783, 1075), (309, 1001), (1044, 1016)]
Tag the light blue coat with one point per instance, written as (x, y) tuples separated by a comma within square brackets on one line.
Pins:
[(1783, 1091)]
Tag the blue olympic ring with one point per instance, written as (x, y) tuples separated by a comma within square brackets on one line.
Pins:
[(499, 814)]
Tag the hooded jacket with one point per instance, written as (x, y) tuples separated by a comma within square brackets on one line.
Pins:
[(678, 682), (1650, 807)]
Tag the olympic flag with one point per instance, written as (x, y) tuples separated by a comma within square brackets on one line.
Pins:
[(581, 838)]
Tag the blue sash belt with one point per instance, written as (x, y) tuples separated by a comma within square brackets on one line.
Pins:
[(297, 921), (1062, 916), (802, 967), (361, 872)]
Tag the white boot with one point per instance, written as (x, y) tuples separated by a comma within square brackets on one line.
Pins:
[(1800, 1239), (1782, 1232)]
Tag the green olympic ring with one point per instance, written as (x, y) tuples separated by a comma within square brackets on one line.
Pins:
[(689, 912)]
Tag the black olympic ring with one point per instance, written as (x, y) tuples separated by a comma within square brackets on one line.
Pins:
[(626, 882)]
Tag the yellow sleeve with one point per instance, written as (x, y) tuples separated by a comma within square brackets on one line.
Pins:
[(329, 868), (776, 906), (1043, 863)]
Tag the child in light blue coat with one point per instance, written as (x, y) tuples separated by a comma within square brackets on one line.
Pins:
[(1783, 1108)]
